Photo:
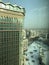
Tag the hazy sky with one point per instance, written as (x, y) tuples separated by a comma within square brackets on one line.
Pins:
[(37, 12)]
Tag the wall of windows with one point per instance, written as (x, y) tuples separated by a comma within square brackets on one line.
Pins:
[(11, 24), (9, 48), (9, 41), (7, 23)]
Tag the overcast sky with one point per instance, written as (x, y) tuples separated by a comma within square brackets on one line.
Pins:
[(37, 12)]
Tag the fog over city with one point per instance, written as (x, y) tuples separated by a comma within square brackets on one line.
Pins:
[(37, 12)]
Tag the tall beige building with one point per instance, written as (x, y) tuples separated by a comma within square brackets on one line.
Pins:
[(11, 25)]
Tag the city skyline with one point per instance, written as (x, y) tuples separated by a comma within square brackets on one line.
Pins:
[(37, 12)]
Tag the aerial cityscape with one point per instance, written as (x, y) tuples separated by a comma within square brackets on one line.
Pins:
[(24, 32)]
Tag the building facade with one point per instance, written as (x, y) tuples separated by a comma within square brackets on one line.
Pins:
[(11, 24), (24, 46)]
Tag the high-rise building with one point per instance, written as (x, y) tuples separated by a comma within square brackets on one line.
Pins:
[(11, 24)]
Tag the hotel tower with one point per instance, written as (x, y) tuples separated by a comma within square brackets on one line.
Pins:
[(11, 25)]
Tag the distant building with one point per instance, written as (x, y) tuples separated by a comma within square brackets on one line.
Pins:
[(32, 33), (27, 33), (11, 25)]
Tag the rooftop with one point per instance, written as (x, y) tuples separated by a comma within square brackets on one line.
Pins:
[(9, 6)]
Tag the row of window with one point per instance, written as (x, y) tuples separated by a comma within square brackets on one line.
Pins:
[(10, 26), (8, 40), (11, 33), (3, 18), (10, 21), (9, 29), (9, 45), (9, 52)]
